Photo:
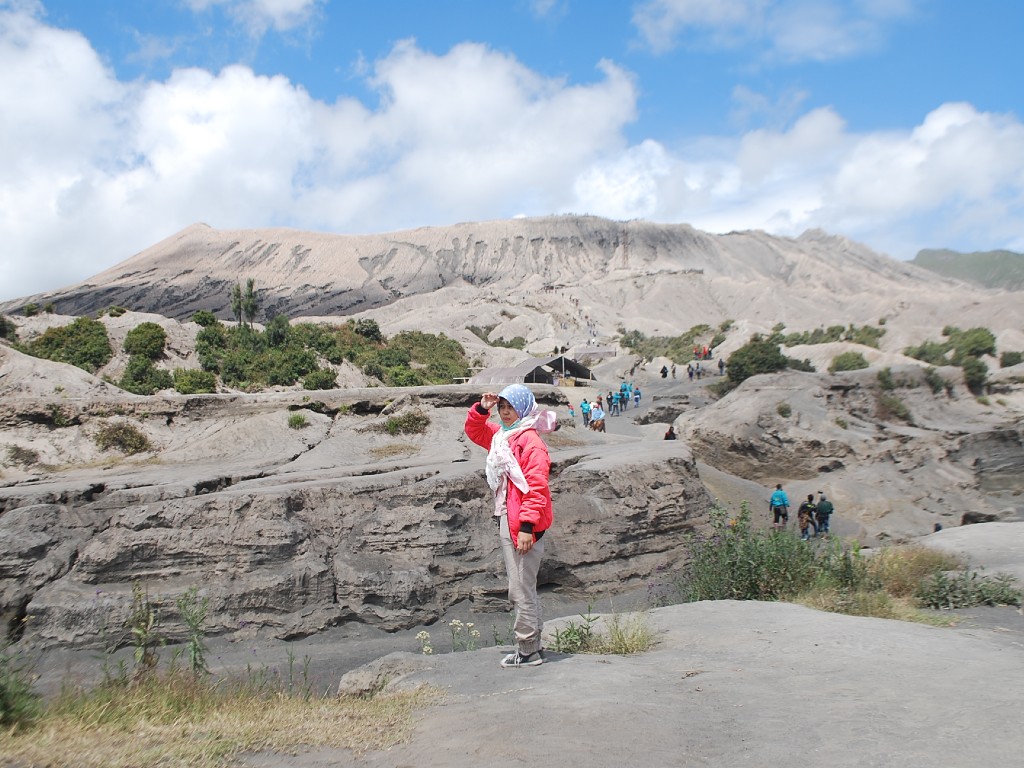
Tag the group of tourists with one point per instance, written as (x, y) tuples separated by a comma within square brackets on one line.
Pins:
[(811, 515), (593, 413)]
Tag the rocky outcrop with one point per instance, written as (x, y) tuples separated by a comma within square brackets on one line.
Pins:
[(357, 526), (896, 459)]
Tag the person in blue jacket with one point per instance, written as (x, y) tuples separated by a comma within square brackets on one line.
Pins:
[(779, 507)]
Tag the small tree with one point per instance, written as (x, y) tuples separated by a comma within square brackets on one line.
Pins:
[(146, 340), (277, 331), (250, 301), (759, 355), (236, 302), (204, 317), (369, 329)]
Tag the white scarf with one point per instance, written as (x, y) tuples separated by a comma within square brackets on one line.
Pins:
[(502, 465)]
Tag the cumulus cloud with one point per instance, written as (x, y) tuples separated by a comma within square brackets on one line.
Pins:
[(93, 169), (790, 30), (257, 16)]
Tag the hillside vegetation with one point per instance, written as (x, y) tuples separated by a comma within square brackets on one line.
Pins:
[(989, 269)]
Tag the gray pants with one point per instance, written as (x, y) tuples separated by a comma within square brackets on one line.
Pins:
[(522, 590)]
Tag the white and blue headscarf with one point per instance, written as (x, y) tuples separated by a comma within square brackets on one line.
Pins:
[(520, 398)]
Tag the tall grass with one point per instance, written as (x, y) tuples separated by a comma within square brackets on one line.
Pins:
[(735, 561), (179, 719), (181, 715)]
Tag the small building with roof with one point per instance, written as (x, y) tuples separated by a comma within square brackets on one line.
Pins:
[(558, 371)]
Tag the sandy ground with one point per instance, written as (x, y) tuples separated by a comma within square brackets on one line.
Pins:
[(737, 683)]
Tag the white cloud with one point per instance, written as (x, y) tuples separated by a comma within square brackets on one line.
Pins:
[(257, 16), (93, 169), (791, 30)]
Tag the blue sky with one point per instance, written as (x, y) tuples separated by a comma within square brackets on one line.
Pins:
[(897, 123)]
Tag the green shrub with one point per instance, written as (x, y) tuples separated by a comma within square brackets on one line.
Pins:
[(891, 407), (865, 335), (84, 344), (142, 378), (842, 423), (967, 589), (931, 352), (847, 361), (58, 417), (934, 380), (757, 356), (673, 347), (277, 331), (974, 342), (369, 329), (297, 420), (517, 342), (800, 365), (30, 310), (320, 379), (8, 330), (116, 311), (146, 340), (191, 381), (204, 317), (784, 410), (1006, 359), (975, 374), (122, 436), (736, 562), (885, 380), (409, 423)]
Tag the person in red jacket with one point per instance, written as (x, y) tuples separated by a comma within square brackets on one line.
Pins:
[(517, 472)]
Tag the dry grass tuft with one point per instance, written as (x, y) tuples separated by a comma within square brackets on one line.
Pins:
[(393, 449), (900, 570), (626, 634), (182, 723), (875, 603)]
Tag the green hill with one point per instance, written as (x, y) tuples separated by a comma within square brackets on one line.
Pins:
[(989, 269)]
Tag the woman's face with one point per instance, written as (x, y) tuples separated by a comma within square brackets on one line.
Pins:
[(506, 412)]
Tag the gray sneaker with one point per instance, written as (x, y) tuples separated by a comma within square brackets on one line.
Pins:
[(518, 659)]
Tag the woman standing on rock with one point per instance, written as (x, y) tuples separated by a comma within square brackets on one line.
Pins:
[(517, 473)]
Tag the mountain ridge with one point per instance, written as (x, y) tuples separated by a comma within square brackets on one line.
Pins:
[(567, 278)]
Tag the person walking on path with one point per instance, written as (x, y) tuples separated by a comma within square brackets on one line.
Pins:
[(721, 366), (585, 411), (805, 517), (778, 506), (822, 514), (517, 470)]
